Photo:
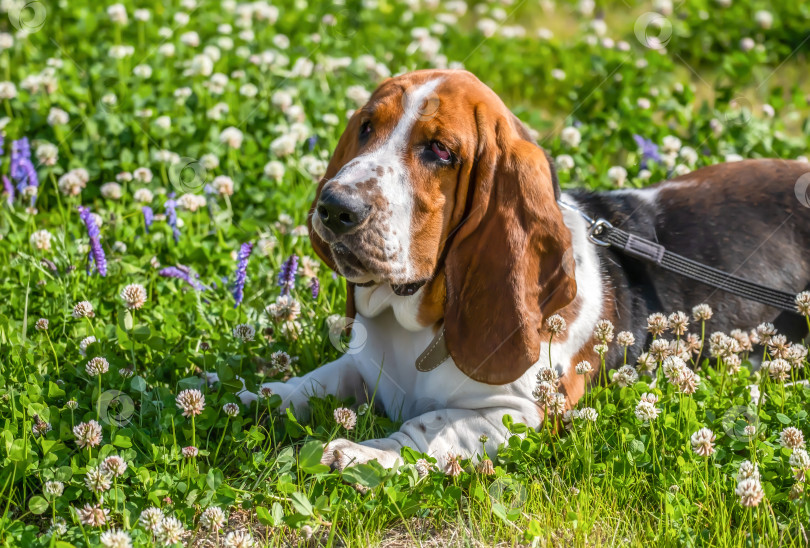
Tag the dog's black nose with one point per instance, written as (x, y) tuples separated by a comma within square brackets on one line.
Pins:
[(339, 211)]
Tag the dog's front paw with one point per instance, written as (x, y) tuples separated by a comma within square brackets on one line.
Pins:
[(340, 453), (211, 378)]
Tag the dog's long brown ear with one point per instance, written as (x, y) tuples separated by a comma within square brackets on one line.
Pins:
[(346, 149), (509, 266)]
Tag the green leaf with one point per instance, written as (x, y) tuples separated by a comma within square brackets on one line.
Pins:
[(784, 419), (264, 516), (125, 320), (309, 458), (138, 384), (37, 505), (214, 478), (301, 503), (366, 475)]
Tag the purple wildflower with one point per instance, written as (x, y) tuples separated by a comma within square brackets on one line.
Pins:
[(171, 217), (148, 217), (649, 150), (96, 252), (241, 272), (22, 169), (315, 287), (184, 273), (8, 189), (311, 142), (286, 276)]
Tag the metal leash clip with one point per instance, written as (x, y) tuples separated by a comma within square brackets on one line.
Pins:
[(598, 228)]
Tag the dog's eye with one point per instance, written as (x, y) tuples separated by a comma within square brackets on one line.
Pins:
[(365, 128), (440, 151)]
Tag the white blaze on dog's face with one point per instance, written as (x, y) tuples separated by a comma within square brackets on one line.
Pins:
[(386, 202)]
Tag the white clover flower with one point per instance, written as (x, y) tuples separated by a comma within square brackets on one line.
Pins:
[(41, 240), (625, 376), (564, 162), (646, 411), (792, 438), (117, 14), (213, 518), (121, 51), (345, 417), (191, 402), (750, 492), (191, 202), (112, 191), (85, 342), (571, 137), (232, 137), (115, 465), (747, 470), (239, 539), (223, 185), (142, 15), (168, 50), (199, 65), (87, 434), (143, 174), (170, 531), (97, 366), (134, 296), (115, 538), (150, 519), (93, 515), (283, 145), (703, 442), (143, 195), (617, 175), (47, 154), (230, 409), (589, 414), (164, 123), (142, 71), (244, 332), (274, 170), (53, 489), (57, 117), (98, 480), (746, 45)]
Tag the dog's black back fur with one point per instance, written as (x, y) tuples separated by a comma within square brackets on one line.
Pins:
[(743, 218)]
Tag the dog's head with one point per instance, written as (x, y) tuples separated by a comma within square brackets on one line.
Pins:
[(436, 181)]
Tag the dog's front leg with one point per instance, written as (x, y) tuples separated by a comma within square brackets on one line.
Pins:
[(339, 378), (440, 434)]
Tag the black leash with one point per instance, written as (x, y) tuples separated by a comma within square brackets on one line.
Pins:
[(604, 234)]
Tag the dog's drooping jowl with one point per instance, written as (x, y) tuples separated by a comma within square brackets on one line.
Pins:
[(443, 215)]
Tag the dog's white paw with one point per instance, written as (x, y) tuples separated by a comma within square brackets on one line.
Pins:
[(211, 378), (340, 453)]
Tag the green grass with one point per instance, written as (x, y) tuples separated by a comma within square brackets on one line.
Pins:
[(614, 481)]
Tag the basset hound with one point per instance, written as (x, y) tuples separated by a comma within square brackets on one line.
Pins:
[(442, 214)]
